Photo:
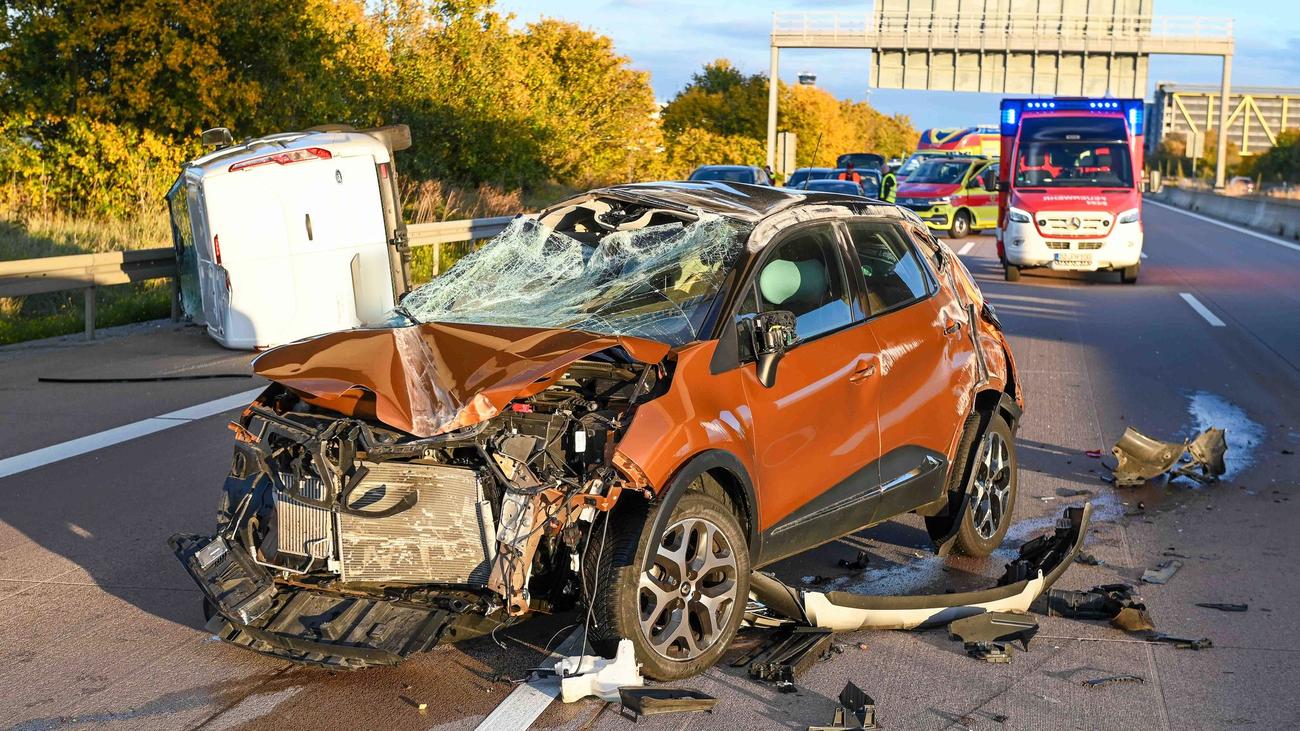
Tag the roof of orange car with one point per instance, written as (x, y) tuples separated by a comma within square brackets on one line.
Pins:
[(735, 200)]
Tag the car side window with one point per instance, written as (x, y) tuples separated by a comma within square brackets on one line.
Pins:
[(890, 269), (804, 275)]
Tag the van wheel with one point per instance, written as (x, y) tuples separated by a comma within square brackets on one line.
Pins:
[(1012, 273), (992, 492), (960, 225), (1129, 275), (684, 611)]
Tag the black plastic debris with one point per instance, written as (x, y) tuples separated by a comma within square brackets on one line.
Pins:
[(1114, 602), (856, 564), (638, 702), (1088, 559), (1112, 679), (1163, 572), (1182, 643), (1224, 607), (787, 654), (856, 711), (988, 636)]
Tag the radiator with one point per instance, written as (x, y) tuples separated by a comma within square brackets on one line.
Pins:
[(446, 537)]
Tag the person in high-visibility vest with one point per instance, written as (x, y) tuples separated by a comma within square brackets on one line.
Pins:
[(848, 173), (888, 184)]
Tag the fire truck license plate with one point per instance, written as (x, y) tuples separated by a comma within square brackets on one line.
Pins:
[(1074, 258)]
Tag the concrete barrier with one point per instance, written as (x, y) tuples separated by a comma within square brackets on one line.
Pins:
[(1273, 216)]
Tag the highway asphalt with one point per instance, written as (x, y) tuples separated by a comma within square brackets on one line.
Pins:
[(100, 627)]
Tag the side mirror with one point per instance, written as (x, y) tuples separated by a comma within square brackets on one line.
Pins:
[(771, 334), (991, 187), (217, 137)]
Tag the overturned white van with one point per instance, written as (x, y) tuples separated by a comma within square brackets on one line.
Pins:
[(290, 235)]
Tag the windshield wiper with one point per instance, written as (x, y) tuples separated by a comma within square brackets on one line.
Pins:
[(401, 310)]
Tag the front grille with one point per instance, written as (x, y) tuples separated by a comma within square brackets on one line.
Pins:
[(1064, 223), (1090, 245), (1058, 245), (446, 537)]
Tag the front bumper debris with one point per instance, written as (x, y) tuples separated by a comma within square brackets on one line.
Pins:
[(337, 631)]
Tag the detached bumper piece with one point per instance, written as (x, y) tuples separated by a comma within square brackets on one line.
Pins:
[(787, 654), (301, 625), (856, 711)]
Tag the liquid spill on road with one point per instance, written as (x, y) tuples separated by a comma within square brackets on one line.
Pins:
[(1243, 435)]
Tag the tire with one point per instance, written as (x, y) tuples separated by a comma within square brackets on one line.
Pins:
[(1012, 273), (960, 225), (993, 496), (670, 644), (1129, 275)]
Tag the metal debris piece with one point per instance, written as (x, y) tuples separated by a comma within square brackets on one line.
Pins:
[(1163, 572), (858, 563), (654, 701), (1139, 457), (1073, 492), (787, 654), (1112, 679), (1088, 559), (1182, 643), (856, 708), (1224, 607), (988, 636), (1108, 601)]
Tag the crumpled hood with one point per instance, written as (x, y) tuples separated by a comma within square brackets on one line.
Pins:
[(436, 377)]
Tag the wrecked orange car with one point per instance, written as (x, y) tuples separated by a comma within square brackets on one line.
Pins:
[(626, 403)]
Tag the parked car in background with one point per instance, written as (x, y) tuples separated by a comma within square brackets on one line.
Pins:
[(1241, 184), (861, 160), (798, 177), (915, 161), (953, 194), (751, 174), (553, 422), (831, 185)]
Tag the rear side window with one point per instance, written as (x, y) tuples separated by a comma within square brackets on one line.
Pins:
[(890, 269), (803, 275)]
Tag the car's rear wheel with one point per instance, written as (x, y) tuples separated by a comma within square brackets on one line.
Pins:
[(960, 225), (1012, 273), (683, 611), (992, 491), (1129, 275)]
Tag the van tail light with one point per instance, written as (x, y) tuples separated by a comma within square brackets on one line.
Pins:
[(216, 248), (383, 171), (284, 158)]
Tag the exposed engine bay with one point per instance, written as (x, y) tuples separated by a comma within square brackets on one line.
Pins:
[(345, 543)]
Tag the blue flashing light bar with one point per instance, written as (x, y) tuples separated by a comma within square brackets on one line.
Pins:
[(1013, 110)]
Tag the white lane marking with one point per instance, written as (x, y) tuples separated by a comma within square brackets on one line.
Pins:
[(966, 249), (526, 703), (1201, 309), (126, 432), (1234, 227)]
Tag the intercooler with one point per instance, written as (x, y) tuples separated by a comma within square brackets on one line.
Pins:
[(446, 537)]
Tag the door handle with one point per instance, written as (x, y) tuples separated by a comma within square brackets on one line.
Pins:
[(953, 325), (863, 373)]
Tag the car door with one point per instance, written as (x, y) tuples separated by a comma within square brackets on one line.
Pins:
[(983, 201), (815, 438), (919, 333)]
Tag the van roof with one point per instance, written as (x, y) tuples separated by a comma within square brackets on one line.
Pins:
[(339, 143)]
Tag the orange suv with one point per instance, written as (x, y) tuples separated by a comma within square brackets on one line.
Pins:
[(625, 403)]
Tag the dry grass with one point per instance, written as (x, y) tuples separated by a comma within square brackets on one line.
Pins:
[(429, 201), (60, 234)]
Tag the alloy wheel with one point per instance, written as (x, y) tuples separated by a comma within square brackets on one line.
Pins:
[(992, 489), (689, 592)]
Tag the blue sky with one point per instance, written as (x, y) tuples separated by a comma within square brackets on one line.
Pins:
[(673, 38)]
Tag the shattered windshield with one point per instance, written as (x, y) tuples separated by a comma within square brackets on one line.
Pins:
[(654, 281)]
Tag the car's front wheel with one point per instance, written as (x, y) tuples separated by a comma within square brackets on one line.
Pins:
[(992, 491), (684, 610), (960, 225)]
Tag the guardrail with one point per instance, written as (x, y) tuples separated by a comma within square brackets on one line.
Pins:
[(88, 271)]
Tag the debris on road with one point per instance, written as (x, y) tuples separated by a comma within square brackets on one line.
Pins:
[(1088, 559), (1040, 562), (1114, 602), (787, 654), (1073, 492), (1112, 679), (988, 636), (655, 701), (1224, 607), (1140, 457), (858, 563), (1182, 643), (856, 708), (1163, 572), (584, 675)]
